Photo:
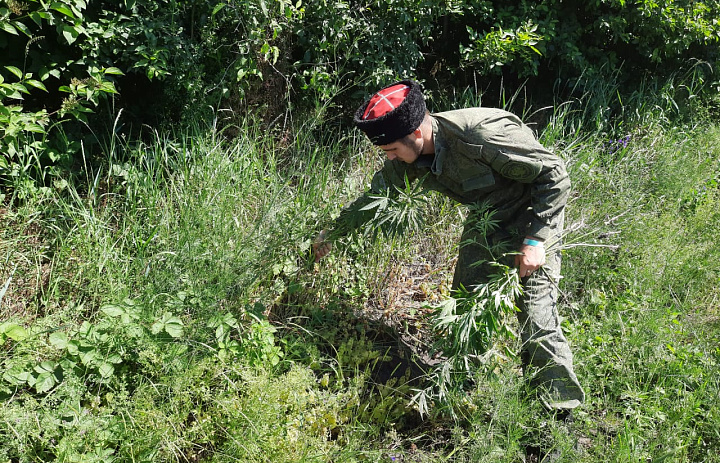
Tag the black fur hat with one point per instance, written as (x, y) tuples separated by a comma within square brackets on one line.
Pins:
[(395, 123)]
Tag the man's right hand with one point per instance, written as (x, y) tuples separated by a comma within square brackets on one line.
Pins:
[(321, 248)]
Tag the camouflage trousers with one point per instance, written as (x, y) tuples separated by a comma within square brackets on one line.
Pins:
[(545, 353)]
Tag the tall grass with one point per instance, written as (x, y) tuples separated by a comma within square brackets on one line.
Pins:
[(204, 331), (639, 280)]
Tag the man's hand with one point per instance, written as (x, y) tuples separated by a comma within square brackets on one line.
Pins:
[(530, 259), (321, 248)]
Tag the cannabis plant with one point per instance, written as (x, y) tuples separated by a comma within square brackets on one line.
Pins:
[(467, 324), (469, 321), (397, 210)]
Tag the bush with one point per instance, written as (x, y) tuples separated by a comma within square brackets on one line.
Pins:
[(67, 58)]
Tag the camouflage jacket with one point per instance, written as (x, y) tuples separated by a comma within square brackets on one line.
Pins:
[(486, 155)]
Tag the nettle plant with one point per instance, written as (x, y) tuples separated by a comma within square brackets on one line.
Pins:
[(254, 343), (123, 337)]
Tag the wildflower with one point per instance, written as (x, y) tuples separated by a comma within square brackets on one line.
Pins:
[(613, 146)]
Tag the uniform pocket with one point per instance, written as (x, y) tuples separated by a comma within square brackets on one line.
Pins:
[(472, 172), (478, 178), (514, 166)]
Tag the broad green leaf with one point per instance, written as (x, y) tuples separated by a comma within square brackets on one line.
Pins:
[(45, 367), (37, 17), (9, 28), (70, 33), (82, 109), (73, 347), (35, 128), (156, 327), (112, 310), (17, 377), (59, 7), (106, 370), (14, 331), (67, 365), (88, 358), (44, 382), (174, 327), (170, 324), (114, 71), (217, 8), (58, 340), (15, 71), (14, 94), (36, 84), (22, 27), (108, 87)]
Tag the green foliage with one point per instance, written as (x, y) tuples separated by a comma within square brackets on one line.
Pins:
[(635, 294), (258, 344), (145, 305), (45, 83), (371, 42), (580, 38), (397, 211), (94, 351), (467, 327), (12, 331), (500, 47), (66, 61)]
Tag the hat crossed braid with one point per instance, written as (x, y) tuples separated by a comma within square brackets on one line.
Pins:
[(392, 113)]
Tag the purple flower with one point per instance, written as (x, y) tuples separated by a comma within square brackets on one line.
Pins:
[(613, 146)]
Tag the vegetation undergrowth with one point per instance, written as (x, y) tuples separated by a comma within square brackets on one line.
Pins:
[(166, 307)]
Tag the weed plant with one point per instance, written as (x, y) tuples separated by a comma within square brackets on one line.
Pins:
[(166, 307)]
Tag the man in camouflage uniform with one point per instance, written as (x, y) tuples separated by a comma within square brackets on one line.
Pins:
[(487, 156)]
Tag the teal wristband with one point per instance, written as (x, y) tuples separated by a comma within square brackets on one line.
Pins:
[(530, 242)]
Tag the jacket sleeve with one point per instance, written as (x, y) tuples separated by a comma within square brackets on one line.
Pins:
[(549, 193), (514, 153)]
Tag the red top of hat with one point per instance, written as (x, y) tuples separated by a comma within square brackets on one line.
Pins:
[(386, 100)]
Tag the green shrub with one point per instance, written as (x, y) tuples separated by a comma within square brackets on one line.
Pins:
[(66, 59)]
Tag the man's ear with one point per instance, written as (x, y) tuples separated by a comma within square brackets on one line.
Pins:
[(418, 133)]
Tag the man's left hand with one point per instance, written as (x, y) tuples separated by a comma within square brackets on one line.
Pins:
[(530, 259)]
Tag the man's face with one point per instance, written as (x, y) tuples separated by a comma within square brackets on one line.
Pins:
[(406, 149)]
